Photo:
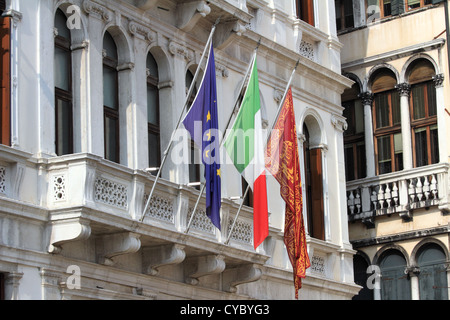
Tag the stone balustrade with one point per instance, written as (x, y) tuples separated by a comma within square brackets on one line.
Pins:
[(398, 192)]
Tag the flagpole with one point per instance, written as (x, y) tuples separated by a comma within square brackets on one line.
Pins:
[(223, 134), (276, 118), (191, 90)]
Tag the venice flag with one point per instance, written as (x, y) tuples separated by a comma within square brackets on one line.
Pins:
[(282, 161), (244, 144), (202, 123)]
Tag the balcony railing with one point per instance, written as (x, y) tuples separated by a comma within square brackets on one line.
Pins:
[(398, 192)]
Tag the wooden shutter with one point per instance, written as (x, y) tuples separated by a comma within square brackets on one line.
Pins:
[(305, 11), (5, 86), (397, 7), (318, 225)]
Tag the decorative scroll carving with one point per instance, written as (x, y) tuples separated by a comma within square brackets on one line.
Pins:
[(244, 274), (137, 29), (204, 266), (117, 244), (155, 258), (67, 230), (97, 10), (190, 12)]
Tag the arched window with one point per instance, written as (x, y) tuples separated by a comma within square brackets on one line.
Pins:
[(111, 99), (63, 86), (360, 266), (153, 124), (395, 284), (314, 187), (354, 138), (423, 113), (387, 122), (433, 283), (5, 82)]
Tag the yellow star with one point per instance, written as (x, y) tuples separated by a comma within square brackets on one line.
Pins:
[(208, 134), (208, 117), (207, 153), (218, 172)]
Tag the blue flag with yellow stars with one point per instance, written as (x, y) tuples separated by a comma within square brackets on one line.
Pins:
[(202, 123)]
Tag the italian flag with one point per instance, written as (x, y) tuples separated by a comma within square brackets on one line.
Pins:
[(245, 146)]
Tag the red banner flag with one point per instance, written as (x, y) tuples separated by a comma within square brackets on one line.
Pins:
[(282, 161)]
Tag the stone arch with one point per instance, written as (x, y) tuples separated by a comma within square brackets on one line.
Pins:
[(367, 86), (410, 64)]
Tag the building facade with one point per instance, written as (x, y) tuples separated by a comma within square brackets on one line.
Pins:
[(91, 94), (396, 145)]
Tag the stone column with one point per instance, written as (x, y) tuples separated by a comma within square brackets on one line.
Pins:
[(404, 90), (414, 275), (367, 99), (441, 117)]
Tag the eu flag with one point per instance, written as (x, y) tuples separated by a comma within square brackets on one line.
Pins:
[(202, 123)]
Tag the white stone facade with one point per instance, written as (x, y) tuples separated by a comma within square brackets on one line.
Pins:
[(82, 213)]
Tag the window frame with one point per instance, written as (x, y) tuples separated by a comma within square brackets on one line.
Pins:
[(352, 138), (315, 209), (64, 44), (5, 85), (111, 113), (343, 22), (426, 122), (421, 5), (387, 131), (154, 129), (305, 11)]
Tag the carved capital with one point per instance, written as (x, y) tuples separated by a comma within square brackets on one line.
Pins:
[(438, 80), (366, 97), (404, 89)]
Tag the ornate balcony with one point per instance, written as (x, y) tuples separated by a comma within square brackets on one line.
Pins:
[(82, 197), (398, 193)]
